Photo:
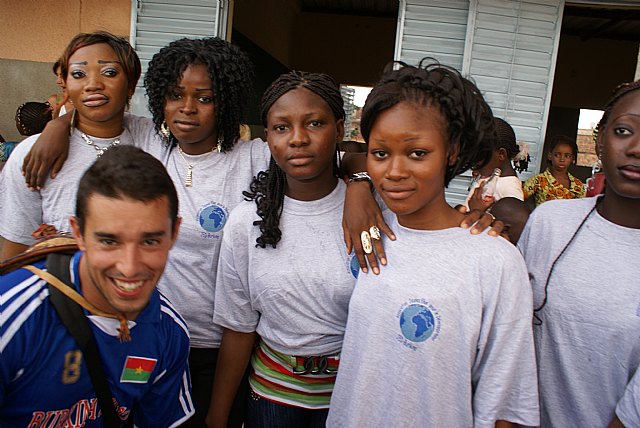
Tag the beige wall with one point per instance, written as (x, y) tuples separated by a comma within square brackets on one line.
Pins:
[(33, 34)]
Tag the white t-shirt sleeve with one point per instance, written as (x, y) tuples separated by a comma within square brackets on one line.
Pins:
[(504, 373), (233, 307), (144, 135), (628, 408), (509, 187), (20, 208)]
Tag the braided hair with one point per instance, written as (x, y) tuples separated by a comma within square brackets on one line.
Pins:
[(268, 188), (506, 138), (32, 116), (231, 73), (470, 122)]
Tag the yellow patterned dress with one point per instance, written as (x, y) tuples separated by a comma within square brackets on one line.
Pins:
[(544, 187)]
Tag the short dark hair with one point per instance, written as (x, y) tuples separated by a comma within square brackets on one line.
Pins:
[(231, 74), (57, 65), (469, 120), (127, 56), (126, 172)]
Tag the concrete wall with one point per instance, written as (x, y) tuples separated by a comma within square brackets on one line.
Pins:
[(33, 34)]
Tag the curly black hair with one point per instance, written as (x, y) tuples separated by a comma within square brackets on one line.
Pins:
[(470, 122), (229, 68), (268, 188)]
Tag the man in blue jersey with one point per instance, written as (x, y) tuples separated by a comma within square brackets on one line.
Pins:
[(125, 224)]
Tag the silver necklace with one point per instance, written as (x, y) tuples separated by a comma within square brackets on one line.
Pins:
[(100, 150)]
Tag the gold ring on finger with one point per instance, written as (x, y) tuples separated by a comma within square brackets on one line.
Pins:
[(366, 242), (374, 232)]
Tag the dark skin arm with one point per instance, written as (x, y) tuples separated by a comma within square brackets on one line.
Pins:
[(48, 153), (361, 211), (233, 358)]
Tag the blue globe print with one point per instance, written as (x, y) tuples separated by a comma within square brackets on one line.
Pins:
[(354, 266), (212, 218), (417, 323)]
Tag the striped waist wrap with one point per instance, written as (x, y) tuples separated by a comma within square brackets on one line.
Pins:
[(305, 382)]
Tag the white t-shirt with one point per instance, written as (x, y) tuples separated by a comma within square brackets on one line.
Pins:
[(218, 182), (23, 210), (295, 295), (442, 337), (588, 345)]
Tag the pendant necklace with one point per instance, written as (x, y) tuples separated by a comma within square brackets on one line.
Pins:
[(100, 150), (188, 182)]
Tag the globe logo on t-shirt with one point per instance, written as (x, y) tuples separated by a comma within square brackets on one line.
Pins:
[(212, 217), (417, 323)]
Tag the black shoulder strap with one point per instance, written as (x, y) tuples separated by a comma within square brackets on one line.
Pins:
[(73, 318)]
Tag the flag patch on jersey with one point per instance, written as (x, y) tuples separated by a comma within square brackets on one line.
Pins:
[(137, 369)]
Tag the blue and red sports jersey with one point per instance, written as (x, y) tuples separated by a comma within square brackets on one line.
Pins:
[(44, 380)]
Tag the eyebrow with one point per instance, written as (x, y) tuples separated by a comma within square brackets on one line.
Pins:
[(146, 235), (100, 61), (197, 89)]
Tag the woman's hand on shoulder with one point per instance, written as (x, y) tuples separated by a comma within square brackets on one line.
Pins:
[(363, 224), (478, 221)]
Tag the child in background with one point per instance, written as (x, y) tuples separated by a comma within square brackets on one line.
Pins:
[(283, 271), (556, 182), (442, 337), (508, 184)]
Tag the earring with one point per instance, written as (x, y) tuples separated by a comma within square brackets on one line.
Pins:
[(164, 130), (597, 167), (219, 145)]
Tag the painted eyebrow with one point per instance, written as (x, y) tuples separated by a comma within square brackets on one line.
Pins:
[(100, 61)]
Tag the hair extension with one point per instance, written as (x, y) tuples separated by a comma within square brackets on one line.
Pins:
[(231, 73), (267, 189), (470, 122), (537, 320)]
